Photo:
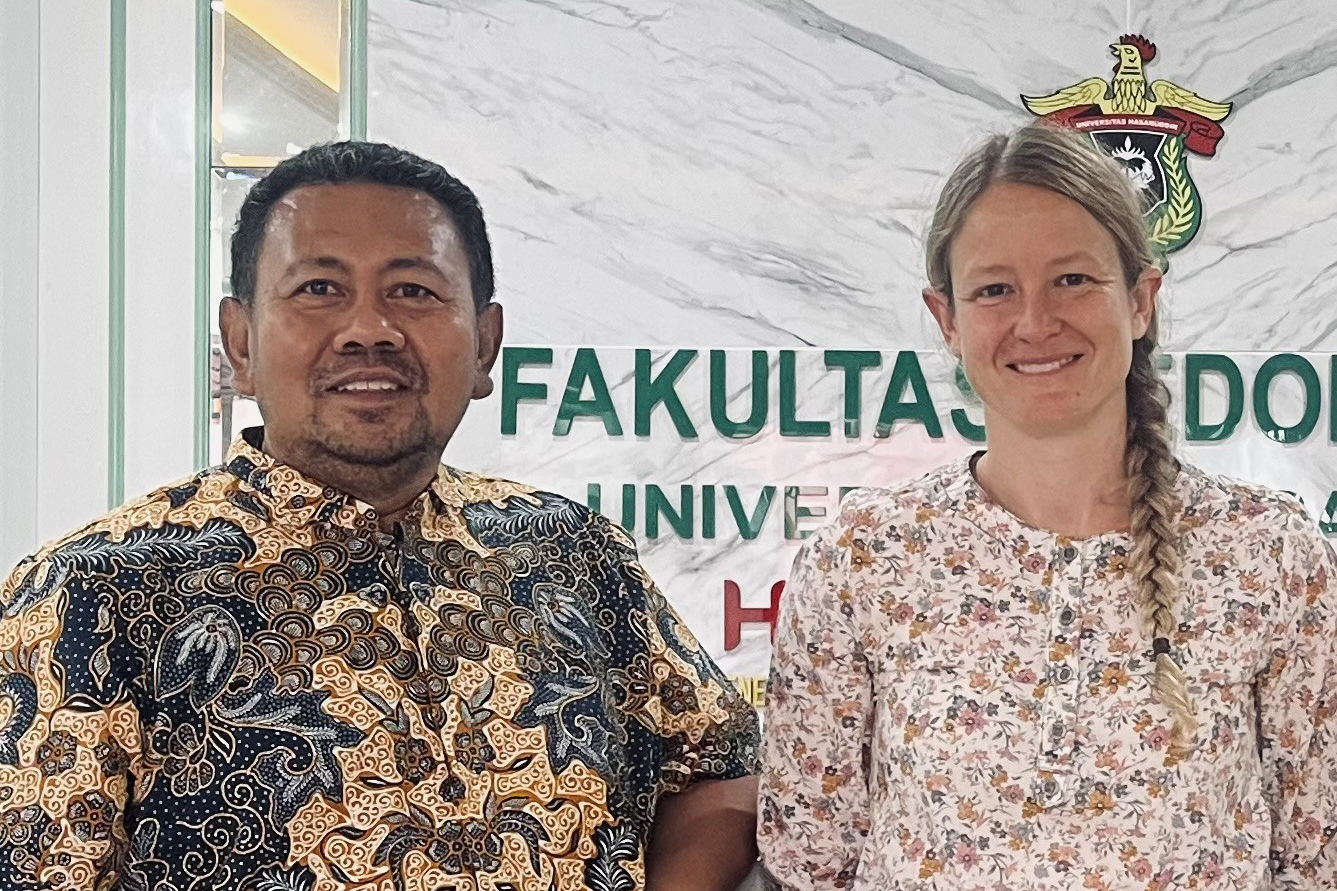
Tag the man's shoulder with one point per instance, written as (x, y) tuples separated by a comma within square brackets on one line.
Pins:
[(481, 488), (171, 522), (498, 505), (184, 504)]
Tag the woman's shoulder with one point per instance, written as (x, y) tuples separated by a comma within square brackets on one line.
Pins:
[(1216, 502), (915, 500)]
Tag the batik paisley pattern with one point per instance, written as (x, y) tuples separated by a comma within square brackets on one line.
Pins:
[(240, 682), (962, 702)]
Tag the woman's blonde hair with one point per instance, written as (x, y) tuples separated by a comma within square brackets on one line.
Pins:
[(1066, 162)]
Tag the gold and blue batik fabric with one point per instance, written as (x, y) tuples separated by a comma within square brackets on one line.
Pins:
[(242, 682)]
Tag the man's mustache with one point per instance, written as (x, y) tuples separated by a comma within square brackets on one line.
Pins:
[(396, 364)]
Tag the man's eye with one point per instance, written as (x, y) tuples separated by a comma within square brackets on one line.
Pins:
[(317, 288), (415, 292)]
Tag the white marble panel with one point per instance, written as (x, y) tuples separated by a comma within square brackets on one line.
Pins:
[(757, 174), (738, 172)]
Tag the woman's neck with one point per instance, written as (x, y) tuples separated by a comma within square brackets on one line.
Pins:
[(1072, 484)]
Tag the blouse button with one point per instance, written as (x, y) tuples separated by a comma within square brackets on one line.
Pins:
[(1064, 674)]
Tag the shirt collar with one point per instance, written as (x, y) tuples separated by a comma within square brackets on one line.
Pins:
[(290, 498), (993, 519)]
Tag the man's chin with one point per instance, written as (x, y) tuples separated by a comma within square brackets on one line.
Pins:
[(368, 456), (380, 452), (378, 445)]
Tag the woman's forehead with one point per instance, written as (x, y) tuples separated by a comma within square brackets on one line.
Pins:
[(1014, 224)]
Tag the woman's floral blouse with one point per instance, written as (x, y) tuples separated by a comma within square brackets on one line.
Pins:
[(960, 701)]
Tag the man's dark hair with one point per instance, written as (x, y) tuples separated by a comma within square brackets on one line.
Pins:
[(360, 162)]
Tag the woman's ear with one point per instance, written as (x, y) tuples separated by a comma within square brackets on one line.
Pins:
[(1145, 292), (940, 305)]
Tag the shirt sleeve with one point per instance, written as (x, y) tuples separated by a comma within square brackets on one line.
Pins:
[(1297, 702), (814, 814), (67, 735), (670, 684)]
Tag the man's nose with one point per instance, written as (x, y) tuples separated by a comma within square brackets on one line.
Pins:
[(368, 325)]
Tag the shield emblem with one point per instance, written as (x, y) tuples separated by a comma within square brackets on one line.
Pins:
[(1139, 152), (1148, 127)]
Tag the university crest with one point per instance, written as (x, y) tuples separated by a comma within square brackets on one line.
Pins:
[(1148, 128)]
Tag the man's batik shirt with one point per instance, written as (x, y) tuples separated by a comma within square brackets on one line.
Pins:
[(241, 682)]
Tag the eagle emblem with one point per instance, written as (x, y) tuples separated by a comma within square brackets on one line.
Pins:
[(1147, 127)]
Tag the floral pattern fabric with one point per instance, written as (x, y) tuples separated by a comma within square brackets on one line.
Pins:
[(960, 701), (241, 682)]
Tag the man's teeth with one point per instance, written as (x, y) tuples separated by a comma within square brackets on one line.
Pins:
[(368, 385), (1042, 368)]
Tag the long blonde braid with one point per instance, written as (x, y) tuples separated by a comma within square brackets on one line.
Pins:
[(1154, 561)]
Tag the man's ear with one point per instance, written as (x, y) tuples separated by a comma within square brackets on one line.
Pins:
[(234, 323), (940, 305), (489, 347)]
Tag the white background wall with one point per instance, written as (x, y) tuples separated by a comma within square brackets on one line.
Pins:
[(19, 152), (160, 230), (758, 173), (55, 178)]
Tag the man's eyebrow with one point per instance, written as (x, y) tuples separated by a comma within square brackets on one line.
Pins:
[(412, 263), (333, 263), (336, 265)]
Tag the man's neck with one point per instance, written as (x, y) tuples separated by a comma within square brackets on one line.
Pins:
[(1073, 483), (391, 490)]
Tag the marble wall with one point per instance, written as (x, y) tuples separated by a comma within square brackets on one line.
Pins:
[(744, 175)]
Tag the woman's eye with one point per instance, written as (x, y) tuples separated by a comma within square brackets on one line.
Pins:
[(993, 291), (1074, 279)]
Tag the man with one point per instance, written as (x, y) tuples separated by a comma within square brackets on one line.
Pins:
[(333, 663)]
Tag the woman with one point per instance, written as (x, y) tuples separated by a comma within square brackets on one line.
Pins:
[(1071, 661)]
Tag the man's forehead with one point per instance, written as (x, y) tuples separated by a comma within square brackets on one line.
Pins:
[(320, 204), (358, 211)]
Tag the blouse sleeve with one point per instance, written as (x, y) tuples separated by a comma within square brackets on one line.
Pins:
[(813, 808), (1297, 701)]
